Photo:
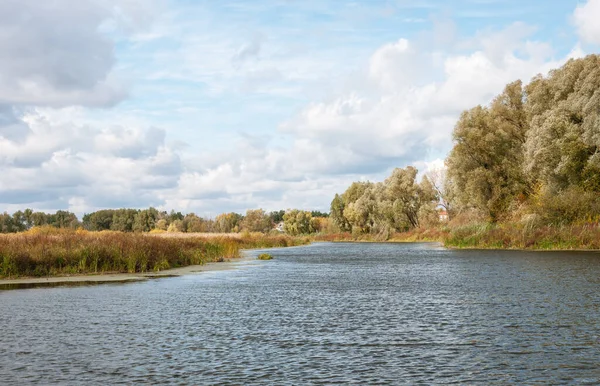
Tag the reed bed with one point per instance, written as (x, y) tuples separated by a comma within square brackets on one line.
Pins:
[(50, 251), (522, 236)]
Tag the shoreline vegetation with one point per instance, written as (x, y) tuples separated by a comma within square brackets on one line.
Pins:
[(489, 236), (80, 256), (47, 251)]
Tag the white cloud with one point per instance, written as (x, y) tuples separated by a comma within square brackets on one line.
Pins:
[(397, 65), (397, 107), (585, 18), (59, 161), (403, 121), (52, 53)]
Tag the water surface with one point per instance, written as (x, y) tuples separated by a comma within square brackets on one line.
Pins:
[(325, 313)]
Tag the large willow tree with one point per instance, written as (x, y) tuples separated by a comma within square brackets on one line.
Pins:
[(542, 137), (563, 145)]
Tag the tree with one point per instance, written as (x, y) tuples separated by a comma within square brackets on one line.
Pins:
[(299, 222), (65, 219), (123, 220), (442, 187), (406, 195), (563, 146), (19, 222), (485, 165), (337, 213), (99, 221), (256, 221), (176, 226), (6, 223), (194, 224), (228, 222), (145, 220), (277, 216)]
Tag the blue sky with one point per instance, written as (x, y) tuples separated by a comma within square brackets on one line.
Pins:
[(209, 106)]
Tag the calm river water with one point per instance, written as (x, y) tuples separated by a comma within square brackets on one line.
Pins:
[(325, 313)]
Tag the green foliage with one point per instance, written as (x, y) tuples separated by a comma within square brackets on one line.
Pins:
[(23, 220), (122, 220), (256, 221), (571, 205), (563, 148), (228, 222), (265, 256), (485, 165), (192, 223), (337, 214), (397, 204), (145, 220), (299, 222), (277, 216), (536, 147)]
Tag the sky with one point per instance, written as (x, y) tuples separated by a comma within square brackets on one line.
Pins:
[(218, 106)]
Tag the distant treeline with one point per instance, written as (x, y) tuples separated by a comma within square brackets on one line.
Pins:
[(146, 220), (532, 157)]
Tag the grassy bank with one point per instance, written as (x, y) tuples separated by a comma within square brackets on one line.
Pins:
[(418, 234), (492, 236), (51, 252), (522, 236)]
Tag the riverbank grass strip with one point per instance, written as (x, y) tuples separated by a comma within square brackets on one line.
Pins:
[(53, 252)]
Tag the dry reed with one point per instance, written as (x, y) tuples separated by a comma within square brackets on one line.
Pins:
[(50, 251)]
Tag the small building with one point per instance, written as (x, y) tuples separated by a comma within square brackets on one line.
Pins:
[(443, 215), (279, 227)]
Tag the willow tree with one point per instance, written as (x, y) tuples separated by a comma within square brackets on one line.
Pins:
[(485, 165), (406, 195), (337, 214), (299, 222), (563, 146)]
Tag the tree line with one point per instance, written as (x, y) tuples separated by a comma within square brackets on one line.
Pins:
[(532, 154), (399, 203), (147, 220)]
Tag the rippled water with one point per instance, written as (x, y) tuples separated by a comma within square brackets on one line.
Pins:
[(325, 313)]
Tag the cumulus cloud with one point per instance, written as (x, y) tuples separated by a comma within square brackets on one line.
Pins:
[(585, 18), (52, 53), (399, 108), (407, 120), (399, 117), (96, 165)]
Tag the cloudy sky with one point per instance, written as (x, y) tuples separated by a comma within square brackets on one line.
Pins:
[(214, 106)]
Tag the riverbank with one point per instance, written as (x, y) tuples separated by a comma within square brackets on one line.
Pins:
[(50, 252), (103, 278), (520, 236)]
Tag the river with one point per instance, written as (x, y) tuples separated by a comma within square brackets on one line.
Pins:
[(321, 314)]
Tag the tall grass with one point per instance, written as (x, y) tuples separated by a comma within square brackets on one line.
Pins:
[(50, 251), (522, 236), (509, 235)]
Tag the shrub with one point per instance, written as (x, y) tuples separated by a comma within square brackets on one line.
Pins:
[(265, 256)]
